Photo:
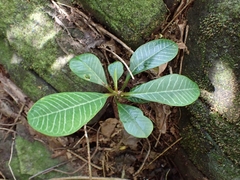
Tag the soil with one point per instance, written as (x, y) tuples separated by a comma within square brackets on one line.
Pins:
[(114, 153)]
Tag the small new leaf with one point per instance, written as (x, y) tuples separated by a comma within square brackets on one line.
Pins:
[(62, 114), (152, 54), (134, 122), (88, 67), (115, 70), (173, 90)]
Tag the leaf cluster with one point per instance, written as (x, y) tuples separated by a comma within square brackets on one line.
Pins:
[(64, 113)]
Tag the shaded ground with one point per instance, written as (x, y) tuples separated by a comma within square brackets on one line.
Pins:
[(113, 152)]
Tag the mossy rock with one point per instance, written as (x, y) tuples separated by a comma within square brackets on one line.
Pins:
[(211, 136), (30, 51), (31, 157), (131, 21)]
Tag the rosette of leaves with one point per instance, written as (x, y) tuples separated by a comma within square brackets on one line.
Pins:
[(64, 113)]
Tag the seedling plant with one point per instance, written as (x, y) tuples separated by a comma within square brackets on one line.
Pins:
[(62, 114)]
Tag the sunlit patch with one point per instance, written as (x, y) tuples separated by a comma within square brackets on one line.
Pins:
[(16, 59), (35, 30), (224, 81), (61, 61)]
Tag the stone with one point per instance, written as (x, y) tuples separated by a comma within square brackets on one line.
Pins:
[(29, 157), (211, 126), (131, 21), (35, 51)]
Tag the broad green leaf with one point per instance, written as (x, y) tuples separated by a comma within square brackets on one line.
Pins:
[(115, 70), (152, 54), (136, 100), (88, 67), (173, 90), (134, 122), (62, 114)]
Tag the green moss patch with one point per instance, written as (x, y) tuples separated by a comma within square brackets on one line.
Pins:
[(131, 21), (213, 63)]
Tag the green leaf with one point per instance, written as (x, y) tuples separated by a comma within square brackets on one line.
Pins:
[(134, 122), (88, 67), (173, 90), (115, 70), (136, 100), (62, 114), (152, 54)]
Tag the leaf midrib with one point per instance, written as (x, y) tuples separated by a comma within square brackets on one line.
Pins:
[(142, 62), (65, 109), (133, 120), (160, 92)]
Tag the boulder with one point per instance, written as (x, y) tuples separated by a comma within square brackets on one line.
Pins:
[(132, 21), (35, 47), (211, 126)]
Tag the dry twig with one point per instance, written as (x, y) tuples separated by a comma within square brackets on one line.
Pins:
[(10, 159), (184, 41), (86, 178), (120, 59), (180, 9), (16, 119), (88, 152), (145, 159), (47, 170), (11, 89), (91, 24), (83, 159), (6, 129), (169, 147), (2, 175)]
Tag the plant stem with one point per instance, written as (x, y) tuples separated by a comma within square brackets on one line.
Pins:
[(125, 82), (109, 88)]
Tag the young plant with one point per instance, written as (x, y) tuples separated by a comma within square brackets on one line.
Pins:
[(64, 113)]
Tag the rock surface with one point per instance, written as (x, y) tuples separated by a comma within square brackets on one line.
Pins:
[(211, 137), (35, 47), (131, 21)]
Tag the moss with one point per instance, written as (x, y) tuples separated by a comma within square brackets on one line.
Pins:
[(40, 65), (32, 158), (214, 62), (131, 21), (30, 84), (33, 39), (206, 148), (6, 52)]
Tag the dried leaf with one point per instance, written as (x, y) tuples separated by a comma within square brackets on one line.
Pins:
[(161, 68), (181, 45), (108, 127), (161, 115), (130, 140)]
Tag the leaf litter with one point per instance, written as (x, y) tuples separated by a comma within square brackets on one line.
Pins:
[(108, 150)]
